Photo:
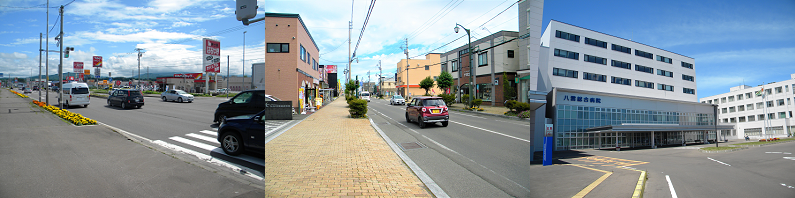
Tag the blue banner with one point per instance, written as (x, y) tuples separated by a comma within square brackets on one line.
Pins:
[(548, 142)]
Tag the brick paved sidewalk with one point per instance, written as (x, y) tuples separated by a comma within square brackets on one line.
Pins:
[(329, 154)]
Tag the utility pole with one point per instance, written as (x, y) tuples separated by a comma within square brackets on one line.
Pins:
[(60, 65), (380, 79), (40, 87), (244, 60), (406, 51), (47, 54), (139, 65)]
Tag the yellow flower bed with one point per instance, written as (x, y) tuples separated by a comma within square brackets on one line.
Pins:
[(74, 118), (19, 94)]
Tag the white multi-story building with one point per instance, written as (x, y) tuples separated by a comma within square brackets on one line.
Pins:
[(608, 92), (758, 112)]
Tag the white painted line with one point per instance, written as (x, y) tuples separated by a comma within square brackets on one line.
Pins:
[(789, 158), (490, 131), (787, 153), (718, 161), (211, 160), (527, 125), (193, 143), (772, 152), (671, 186), (466, 115), (201, 137), (208, 132)]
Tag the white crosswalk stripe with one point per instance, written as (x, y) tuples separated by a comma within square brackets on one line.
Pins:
[(201, 137), (193, 143), (208, 132)]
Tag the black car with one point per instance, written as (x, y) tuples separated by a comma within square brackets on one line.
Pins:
[(233, 129), (244, 103), (126, 98)]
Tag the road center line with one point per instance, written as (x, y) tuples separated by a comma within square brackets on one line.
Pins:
[(718, 161), (490, 131), (671, 186), (467, 115)]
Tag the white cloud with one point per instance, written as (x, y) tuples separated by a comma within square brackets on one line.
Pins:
[(180, 24), (15, 55), (759, 56)]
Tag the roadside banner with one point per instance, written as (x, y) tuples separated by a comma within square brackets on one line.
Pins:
[(211, 55), (97, 61)]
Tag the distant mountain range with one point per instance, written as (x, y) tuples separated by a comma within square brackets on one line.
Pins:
[(144, 76)]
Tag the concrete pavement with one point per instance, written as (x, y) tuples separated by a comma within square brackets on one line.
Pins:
[(330, 154), (43, 156)]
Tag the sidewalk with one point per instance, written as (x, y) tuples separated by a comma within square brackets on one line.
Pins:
[(43, 156), (329, 154)]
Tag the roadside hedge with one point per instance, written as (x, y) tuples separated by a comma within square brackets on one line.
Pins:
[(449, 99), (358, 108)]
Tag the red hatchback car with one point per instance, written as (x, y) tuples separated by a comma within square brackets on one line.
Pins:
[(426, 110)]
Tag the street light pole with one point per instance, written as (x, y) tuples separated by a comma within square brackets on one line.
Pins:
[(244, 60), (471, 69), (60, 65), (227, 76)]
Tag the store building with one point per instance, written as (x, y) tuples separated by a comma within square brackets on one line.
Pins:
[(291, 70), (418, 69), (608, 92), (494, 56), (763, 111)]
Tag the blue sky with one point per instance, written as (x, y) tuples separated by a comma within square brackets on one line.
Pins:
[(732, 41), (170, 31)]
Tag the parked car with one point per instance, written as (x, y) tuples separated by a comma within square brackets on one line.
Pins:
[(126, 98), (246, 102), (232, 130), (176, 95), (75, 94), (27, 90), (424, 110), (365, 96), (35, 88), (397, 99)]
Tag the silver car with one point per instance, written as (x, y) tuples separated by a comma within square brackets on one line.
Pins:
[(176, 95), (397, 99)]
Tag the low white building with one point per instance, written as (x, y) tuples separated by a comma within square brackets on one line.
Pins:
[(757, 114)]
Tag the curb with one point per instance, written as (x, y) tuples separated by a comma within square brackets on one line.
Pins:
[(641, 186), (435, 189), (488, 114), (765, 144), (722, 151)]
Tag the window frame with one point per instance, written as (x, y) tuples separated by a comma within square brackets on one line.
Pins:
[(280, 48), (483, 59)]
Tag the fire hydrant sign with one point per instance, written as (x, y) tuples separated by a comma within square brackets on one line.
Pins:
[(97, 61), (78, 67), (212, 55)]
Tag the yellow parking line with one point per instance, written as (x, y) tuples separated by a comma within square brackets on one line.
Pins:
[(593, 185)]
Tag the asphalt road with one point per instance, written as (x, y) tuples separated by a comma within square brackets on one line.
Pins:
[(767, 171), (474, 156)]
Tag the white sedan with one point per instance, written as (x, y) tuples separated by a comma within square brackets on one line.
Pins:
[(176, 95), (397, 99)]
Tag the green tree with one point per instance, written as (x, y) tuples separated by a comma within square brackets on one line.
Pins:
[(445, 81), (426, 84), (350, 87), (507, 90)]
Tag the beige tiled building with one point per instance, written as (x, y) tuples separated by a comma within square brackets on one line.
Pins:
[(418, 70), (291, 59)]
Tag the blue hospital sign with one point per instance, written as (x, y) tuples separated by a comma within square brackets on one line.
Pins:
[(582, 99)]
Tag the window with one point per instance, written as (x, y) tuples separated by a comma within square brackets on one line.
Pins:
[(307, 58), (786, 88), (768, 92), (782, 115), (759, 105), (741, 108), (769, 103), (731, 98), (731, 110), (567, 54), (723, 110), (303, 53), (645, 84), (788, 103), (595, 59), (278, 47), (748, 95), (751, 118), (739, 97), (444, 66), (665, 73), (643, 54), (664, 59), (567, 36), (455, 65), (620, 64), (687, 65), (564, 72), (595, 42), (771, 116), (594, 77), (688, 91), (622, 81), (723, 100), (483, 59), (427, 67), (688, 78), (760, 117), (510, 53), (778, 90), (642, 68), (622, 49), (725, 120), (741, 119), (732, 120), (780, 102), (665, 87)]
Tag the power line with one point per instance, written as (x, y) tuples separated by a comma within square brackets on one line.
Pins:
[(56, 23), (439, 19), (506, 9), (432, 17), (364, 26), (484, 14), (343, 42)]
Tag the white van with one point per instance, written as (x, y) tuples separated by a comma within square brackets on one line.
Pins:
[(75, 94), (365, 96)]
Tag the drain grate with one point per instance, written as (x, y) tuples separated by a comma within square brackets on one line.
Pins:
[(411, 146)]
